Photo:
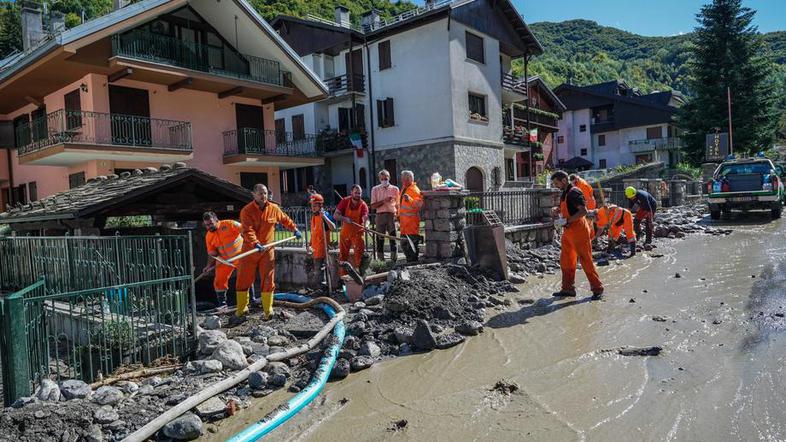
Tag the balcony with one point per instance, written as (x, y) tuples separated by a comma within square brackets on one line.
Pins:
[(514, 89), (641, 146), (249, 146), (196, 66), (65, 138), (343, 86), (518, 137)]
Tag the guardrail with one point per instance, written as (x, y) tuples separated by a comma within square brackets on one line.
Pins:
[(248, 140), (514, 84), (102, 129)]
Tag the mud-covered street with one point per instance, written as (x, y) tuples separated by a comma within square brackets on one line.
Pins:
[(718, 377)]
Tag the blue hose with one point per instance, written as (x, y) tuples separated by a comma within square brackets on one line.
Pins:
[(282, 413)]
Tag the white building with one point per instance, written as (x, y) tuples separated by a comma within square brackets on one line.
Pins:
[(424, 91), (611, 124)]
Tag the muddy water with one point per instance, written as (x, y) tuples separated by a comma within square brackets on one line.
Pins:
[(720, 376)]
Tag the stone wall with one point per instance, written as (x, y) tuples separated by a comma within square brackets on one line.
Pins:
[(531, 236), (423, 160), (291, 268), (444, 218)]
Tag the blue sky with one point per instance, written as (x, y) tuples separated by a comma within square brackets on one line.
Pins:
[(645, 17)]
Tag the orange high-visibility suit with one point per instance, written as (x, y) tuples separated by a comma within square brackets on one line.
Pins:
[(351, 236), (576, 246), (409, 218), (259, 227), (225, 243), (586, 190), (318, 237), (618, 219)]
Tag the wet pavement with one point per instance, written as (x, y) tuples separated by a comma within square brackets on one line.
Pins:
[(719, 377)]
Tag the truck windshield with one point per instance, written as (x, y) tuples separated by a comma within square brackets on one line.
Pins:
[(748, 168)]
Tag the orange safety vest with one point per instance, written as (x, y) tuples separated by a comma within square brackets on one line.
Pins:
[(609, 215), (259, 225), (349, 230), (589, 195), (409, 211), (226, 241), (317, 236)]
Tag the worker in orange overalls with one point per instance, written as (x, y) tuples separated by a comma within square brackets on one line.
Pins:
[(410, 202), (224, 240), (321, 226), (616, 219), (352, 211), (259, 219), (576, 238), (586, 190)]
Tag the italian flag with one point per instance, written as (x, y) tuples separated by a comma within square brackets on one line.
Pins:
[(533, 135)]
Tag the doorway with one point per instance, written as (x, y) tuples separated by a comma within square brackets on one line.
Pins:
[(130, 117), (474, 179), (354, 70), (250, 128)]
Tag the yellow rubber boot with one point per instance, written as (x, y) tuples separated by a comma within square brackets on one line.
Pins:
[(242, 303), (267, 304)]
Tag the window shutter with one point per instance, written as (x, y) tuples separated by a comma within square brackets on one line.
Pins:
[(391, 121), (384, 55), (380, 113)]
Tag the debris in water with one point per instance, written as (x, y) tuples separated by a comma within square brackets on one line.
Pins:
[(343, 401), (398, 425), (640, 351), (659, 318), (677, 275), (716, 322), (505, 387), (780, 315)]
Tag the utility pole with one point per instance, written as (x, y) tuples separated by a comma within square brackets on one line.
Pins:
[(731, 139)]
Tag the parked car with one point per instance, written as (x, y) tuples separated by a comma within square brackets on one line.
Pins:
[(593, 175), (746, 184)]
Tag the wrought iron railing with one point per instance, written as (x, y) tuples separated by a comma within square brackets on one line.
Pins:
[(95, 128), (144, 45), (346, 83), (513, 207), (80, 263), (301, 215), (655, 144), (252, 141), (514, 84)]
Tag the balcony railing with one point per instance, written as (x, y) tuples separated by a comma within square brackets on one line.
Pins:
[(147, 46), (252, 141), (514, 84), (518, 136), (650, 145), (94, 128), (344, 84)]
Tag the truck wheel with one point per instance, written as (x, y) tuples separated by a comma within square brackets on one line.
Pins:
[(715, 214), (776, 210)]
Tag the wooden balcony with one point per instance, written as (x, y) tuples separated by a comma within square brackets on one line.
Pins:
[(514, 89), (344, 86)]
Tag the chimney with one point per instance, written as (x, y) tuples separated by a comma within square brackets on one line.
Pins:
[(120, 4), (430, 4), (57, 22), (370, 20), (32, 25), (342, 16)]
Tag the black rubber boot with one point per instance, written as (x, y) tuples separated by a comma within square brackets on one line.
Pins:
[(221, 298), (393, 251), (611, 246), (633, 249), (564, 294), (649, 232)]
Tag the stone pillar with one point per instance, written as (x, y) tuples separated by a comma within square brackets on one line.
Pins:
[(545, 200), (707, 169), (677, 191), (444, 218)]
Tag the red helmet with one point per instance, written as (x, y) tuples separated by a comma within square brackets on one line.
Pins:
[(316, 198)]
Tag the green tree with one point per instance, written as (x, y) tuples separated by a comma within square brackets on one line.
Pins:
[(728, 52), (10, 29)]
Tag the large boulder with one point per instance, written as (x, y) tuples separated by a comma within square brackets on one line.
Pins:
[(230, 354), (469, 328), (212, 408), (369, 348), (258, 380), (340, 370), (107, 395), (361, 363), (209, 340), (274, 368), (75, 389), (212, 323), (48, 391), (423, 338), (105, 415), (186, 427)]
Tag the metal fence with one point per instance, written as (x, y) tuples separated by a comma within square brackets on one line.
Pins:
[(302, 218), (78, 335), (70, 263), (512, 207), (247, 140)]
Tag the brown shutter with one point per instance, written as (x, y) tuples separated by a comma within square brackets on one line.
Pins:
[(384, 55), (380, 113), (391, 121)]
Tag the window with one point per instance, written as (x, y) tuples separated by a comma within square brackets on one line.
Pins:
[(477, 107), (298, 127), (601, 140), (347, 116), (583, 152), (654, 133), (305, 178), (249, 179), (19, 195), (475, 48), (560, 139), (77, 179), (32, 191), (390, 166), (385, 113), (602, 164), (73, 108), (38, 123), (362, 179), (21, 130), (509, 176), (583, 128), (281, 130), (384, 55)]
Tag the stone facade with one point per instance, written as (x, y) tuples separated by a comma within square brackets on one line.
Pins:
[(531, 236), (450, 158)]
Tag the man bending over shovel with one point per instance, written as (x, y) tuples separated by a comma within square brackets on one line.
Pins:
[(259, 219), (352, 211)]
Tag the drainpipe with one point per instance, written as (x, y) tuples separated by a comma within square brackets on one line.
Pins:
[(526, 87), (373, 167)]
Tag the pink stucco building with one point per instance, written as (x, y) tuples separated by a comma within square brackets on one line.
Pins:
[(156, 82)]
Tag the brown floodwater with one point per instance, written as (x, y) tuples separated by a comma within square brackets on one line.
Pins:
[(720, 375)]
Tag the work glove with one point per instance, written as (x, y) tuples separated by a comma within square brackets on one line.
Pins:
[(560, 222), (298, 235)]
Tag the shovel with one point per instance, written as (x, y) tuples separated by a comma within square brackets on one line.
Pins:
[(251, 252), (351, 272), (382, 235)]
